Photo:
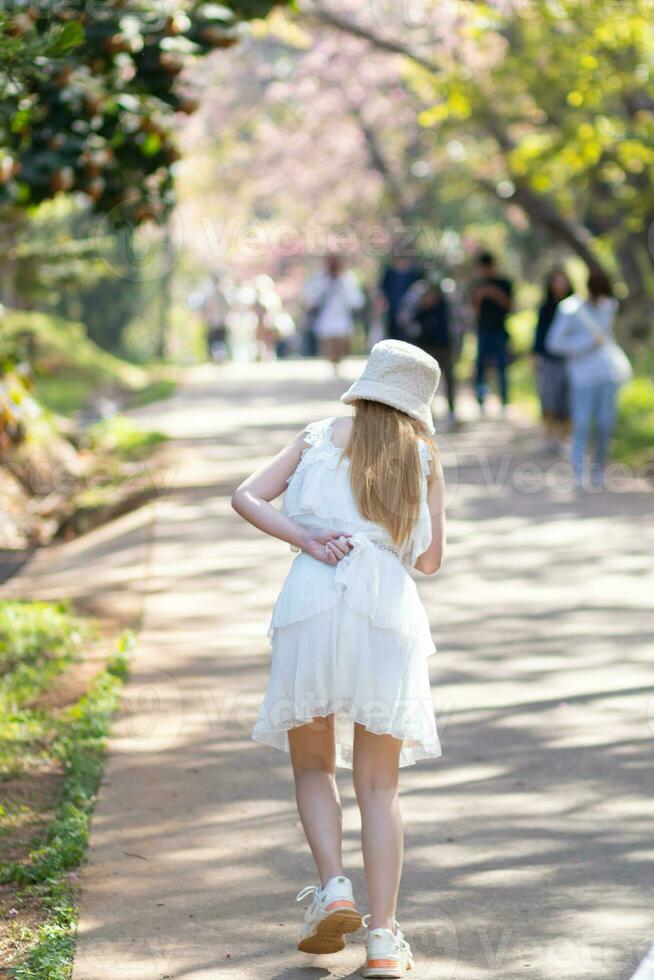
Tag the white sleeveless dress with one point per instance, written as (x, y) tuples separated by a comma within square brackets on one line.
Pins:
[(353, 638)]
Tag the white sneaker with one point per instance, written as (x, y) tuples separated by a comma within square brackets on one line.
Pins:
[(388, 954), (332, 913), (646, 969)]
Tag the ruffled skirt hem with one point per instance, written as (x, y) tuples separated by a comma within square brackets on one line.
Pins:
[(351, 640), (346, 715)]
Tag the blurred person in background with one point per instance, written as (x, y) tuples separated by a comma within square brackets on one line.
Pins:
[(492, 301), (332, 296), (397, 278), (582, 333), (213, 309), (425, 316), (551, 371), (265, 333)]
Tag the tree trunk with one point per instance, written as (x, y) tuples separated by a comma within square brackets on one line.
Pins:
[(547, 215), (379, 163)]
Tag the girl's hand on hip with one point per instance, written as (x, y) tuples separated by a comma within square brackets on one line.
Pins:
[(327, 546)]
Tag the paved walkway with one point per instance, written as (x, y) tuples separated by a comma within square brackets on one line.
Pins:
[(529, 845)]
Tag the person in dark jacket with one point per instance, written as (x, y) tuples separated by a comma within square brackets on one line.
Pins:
[(426, 317), (397, 278), (492, 301), (553, 387)]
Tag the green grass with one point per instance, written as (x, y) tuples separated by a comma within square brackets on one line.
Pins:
[(38, 640), (80, 746), (42, 880), (33, 633), (123, 439), (69, 369), (68, 391), (64, 394), (156, 391), (54, 344), (634, 437)]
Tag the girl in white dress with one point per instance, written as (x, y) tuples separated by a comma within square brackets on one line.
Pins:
[(349, 684)]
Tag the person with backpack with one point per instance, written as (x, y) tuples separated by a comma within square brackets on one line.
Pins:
[(397, 278), (582, 333), (426, 318)]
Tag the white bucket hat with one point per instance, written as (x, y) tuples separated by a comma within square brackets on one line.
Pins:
[(400, 375)]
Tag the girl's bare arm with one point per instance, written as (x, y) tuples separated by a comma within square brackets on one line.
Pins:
[(431, 560), (252, 501)]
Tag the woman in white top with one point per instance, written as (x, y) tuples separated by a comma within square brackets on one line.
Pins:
[(332, 295), (582, 332), (349, 682)]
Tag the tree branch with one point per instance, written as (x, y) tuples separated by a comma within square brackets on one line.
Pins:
[(543, 211), (329, 18), (379, 163), (540, 208)]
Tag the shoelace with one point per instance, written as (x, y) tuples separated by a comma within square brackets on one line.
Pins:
[(404, 946), (401, 944), (308, 890)]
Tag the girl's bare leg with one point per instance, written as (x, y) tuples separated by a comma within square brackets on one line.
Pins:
[(376, 766), (318, 802)]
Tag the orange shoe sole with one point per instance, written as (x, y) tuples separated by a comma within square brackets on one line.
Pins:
[(328, 937), (378, 968)]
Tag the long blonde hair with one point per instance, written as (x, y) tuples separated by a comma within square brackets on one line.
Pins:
[(385, 469)]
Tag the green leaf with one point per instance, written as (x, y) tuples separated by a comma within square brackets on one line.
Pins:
[(65, 39)]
